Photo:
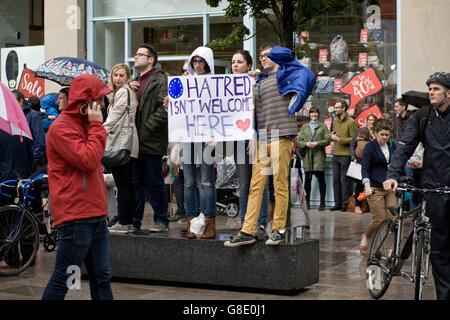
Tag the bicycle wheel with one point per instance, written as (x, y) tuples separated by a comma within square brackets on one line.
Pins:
[(419, 275), (19, 240), (379, 264)]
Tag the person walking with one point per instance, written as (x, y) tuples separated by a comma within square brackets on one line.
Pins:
[(344, 128), (375, 163), (75, 147), (314, 136), (152, 128), (123, 99)]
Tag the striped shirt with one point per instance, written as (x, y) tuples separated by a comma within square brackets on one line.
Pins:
[(272, 111)]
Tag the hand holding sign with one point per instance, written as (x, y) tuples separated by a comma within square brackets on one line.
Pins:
[(210, 107), (362, 85)]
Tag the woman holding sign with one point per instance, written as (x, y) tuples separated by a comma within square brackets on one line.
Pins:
[(201, 62), (242, 62)]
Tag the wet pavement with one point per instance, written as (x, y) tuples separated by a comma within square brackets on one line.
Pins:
[(342, 269)]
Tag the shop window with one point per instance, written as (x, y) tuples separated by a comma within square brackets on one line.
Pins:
[(110, 39), (36, 18), (221, 27), (171, 37)]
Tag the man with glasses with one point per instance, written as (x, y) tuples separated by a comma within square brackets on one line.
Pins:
[(344, 128), (152, 127)]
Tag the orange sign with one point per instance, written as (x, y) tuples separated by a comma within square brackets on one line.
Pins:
[(362, 85), (362, 116), (30, 85)]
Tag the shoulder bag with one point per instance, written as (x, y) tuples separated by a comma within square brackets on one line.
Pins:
[(119, 141)]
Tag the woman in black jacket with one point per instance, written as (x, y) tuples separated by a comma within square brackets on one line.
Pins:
[(375, 163)]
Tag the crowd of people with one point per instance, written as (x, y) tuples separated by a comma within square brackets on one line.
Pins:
[(70, 130)]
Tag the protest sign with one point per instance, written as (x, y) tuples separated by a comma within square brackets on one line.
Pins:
[(362, 116), (362, 85), (211, 107)]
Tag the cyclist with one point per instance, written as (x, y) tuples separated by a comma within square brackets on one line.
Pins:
[(432, 127)]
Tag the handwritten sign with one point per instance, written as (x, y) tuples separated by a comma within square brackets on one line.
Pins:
[(30, 85), (362, 116), (211, 107), (362, 85)]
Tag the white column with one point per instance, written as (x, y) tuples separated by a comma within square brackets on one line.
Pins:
[(250, 44)]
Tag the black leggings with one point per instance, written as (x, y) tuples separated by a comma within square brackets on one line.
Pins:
[(126, 199), (320, 175)]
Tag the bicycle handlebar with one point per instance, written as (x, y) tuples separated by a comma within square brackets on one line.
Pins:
[(409, 188), (24, 184)]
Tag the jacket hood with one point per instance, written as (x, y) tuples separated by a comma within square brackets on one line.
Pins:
[(49, 101), (204, 52), (85, 89)]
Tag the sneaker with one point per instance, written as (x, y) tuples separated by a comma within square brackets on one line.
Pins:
[(240, 239), (114, 220), (118, 228), (261, 234), (159, 227), (275, 238)]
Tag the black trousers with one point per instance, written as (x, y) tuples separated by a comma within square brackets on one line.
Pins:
[(341, 183), (320, 175), (438, 209), (126, 198), (178, 189)]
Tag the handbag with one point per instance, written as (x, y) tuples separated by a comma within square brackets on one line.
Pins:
[(339, 50), (119, 141)]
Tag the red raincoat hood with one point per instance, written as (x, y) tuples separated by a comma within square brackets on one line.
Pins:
[(84, 89)]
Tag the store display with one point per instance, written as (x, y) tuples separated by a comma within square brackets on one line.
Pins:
[(339, 50), (325, 85)]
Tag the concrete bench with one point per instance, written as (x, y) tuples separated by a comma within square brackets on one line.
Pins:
[(168, 257)]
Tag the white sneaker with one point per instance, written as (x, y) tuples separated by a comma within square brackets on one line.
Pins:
[(124, 229)]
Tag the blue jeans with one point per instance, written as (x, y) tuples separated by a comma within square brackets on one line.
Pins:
[(149, 184), (244, 171), (205, 198), (78, 243)]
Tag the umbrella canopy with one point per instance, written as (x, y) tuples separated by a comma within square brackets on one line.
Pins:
[(63, 70), (416, 98), (12, 118)]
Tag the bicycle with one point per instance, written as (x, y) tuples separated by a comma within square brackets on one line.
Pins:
[(21, 227), (385, 258)]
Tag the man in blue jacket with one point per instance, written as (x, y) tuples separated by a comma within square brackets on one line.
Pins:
[(37, 130)]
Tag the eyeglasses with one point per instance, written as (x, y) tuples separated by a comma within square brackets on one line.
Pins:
[(263, 56), (142, 55), (198, 61)]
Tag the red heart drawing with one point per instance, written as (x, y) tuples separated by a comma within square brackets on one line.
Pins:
[(243, 125)]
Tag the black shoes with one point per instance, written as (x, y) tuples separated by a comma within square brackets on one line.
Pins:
[(335, 208)]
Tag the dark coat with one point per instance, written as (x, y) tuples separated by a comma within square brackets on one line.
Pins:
[(37, 130), (436, 158), (16, 158), (151, 117), (374, 164)]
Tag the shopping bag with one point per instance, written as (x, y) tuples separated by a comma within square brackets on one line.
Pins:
[(354, 171)]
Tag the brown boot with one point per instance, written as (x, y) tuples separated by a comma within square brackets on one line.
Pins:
[(189, 234), (210, 230)]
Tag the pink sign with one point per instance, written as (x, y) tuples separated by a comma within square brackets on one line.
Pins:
[(323, 55), (363, 59)]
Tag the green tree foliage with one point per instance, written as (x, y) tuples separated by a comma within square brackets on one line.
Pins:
[(284, 16)]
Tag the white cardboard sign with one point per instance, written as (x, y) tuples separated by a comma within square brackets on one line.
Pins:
[(211, 107)]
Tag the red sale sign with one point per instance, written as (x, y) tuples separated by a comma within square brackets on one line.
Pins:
[(362, 85), (364, 35), (323, 55), (362, 116), (363, 59), (30, 85), (337, 85)]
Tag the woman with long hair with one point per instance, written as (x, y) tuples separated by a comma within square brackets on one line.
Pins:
[(123, 99)]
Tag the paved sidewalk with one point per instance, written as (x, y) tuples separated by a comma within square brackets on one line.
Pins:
[(342, 270)]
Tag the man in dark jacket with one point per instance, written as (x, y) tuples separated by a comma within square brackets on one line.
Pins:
[(436, 173), (403, 116), (152, 127), (37, 130)]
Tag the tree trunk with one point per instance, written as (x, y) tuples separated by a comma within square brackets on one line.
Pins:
[(287, 24)]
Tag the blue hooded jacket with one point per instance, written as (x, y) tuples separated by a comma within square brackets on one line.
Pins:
[(48, 103), (292, 77)]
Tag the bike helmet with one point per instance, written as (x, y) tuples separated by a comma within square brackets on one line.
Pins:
[(442, 78)]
